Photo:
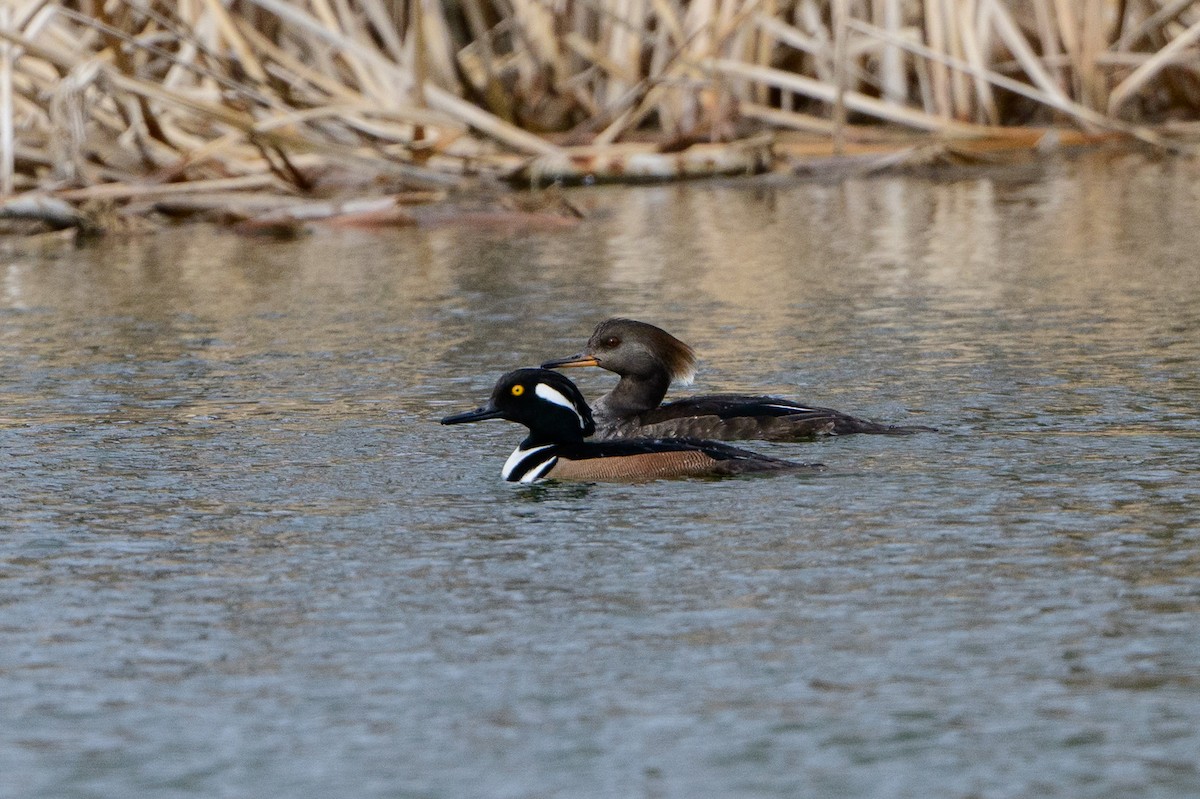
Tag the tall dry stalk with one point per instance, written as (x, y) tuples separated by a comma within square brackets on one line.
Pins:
[(841, 18), (893, 76), (7, 138)]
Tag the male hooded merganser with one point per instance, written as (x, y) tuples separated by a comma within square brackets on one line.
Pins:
[(649, 358), (559, 419)]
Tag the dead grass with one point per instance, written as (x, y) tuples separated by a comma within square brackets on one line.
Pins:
[(334, 97)]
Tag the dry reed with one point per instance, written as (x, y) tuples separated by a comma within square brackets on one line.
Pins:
[(119, 99)]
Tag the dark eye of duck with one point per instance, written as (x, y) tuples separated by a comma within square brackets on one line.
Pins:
[(612, 342)]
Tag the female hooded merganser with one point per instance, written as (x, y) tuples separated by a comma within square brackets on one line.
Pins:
[(649, 358), (559, 419)]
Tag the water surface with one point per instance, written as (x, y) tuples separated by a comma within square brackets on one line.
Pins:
[(238, 556)]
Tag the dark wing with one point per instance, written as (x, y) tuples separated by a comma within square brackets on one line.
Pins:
[(733, 416), (679, 456), (623, 447), (730, 406)]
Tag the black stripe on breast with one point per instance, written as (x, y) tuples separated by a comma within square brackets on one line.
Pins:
[(529, 463)]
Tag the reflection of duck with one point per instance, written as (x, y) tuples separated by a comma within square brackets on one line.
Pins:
[(648, 359), (559, 419)]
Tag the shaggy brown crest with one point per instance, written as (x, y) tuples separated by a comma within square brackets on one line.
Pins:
[(678, 358)]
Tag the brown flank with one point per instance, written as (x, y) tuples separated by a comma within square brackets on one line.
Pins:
[(648, 466)]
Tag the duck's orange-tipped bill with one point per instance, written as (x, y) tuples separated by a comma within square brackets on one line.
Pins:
[(580, 359)]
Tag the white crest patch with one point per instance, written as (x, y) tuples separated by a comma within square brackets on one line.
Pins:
[(517, 457), (558, 398), (686, 377)]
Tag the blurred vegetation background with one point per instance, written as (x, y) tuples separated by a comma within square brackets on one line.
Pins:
[(113, 98)]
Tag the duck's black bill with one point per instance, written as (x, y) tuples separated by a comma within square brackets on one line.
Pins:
[(580, 359), (477, 415)]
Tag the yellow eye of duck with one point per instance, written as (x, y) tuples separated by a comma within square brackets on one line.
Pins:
[(518, 390)]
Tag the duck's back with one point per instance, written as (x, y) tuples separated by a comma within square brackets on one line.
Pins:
[(732, 417)]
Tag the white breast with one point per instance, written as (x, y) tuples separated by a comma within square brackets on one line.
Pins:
[(518, 457)]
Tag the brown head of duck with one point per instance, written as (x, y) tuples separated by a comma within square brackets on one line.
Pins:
[(647, 358)]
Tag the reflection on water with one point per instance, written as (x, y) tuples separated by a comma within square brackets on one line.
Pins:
[(239, 556)]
